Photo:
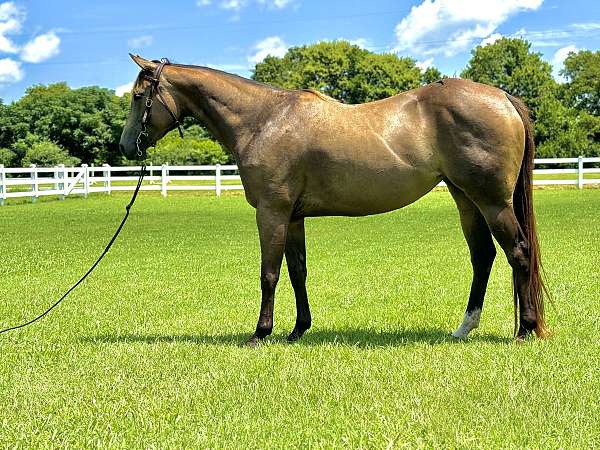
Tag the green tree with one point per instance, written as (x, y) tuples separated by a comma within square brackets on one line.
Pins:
[(8, 158), (582, 88), (193, 149), (86, 121), (565, 132), (48, 154), (431, 75), (510, 65), (342, 70)]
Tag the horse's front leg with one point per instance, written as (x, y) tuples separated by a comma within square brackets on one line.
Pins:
[(272, 229), (295, 254)]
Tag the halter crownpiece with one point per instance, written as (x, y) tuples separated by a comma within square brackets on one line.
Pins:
[(154, 80)]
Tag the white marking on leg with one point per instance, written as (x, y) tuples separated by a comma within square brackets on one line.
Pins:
[(470, 322)]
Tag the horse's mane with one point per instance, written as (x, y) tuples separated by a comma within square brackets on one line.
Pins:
[(316, 92), (319, 94)]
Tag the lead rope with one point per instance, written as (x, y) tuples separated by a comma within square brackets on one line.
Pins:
[(91, 269)]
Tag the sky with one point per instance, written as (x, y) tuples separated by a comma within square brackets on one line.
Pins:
[(87, 42)]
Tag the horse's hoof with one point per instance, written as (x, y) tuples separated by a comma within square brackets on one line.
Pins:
[(460, 336), (254, 342), (294, 336)]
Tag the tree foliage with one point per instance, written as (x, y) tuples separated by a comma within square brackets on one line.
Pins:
[(510, 65), (562, 128), (47, 154), (582, 88), (86, 121), (341, 70), (194, 149)]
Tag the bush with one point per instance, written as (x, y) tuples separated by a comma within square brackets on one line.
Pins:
[(187, 151), (7, 157), (48, 154)]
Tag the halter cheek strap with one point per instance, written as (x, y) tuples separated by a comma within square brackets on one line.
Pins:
[(154, 80)]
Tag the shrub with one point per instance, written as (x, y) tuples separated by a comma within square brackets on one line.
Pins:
[(187, 151), (48, 154), (7, 157)]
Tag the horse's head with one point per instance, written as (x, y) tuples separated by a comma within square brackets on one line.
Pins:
[(154, 110)]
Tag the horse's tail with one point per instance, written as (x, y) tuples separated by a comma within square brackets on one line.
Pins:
[(523, 207)]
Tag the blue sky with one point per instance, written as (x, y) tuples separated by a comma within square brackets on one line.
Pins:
[(86, 43)]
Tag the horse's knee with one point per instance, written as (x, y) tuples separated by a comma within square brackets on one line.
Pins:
[(519, 257), (268, 280)]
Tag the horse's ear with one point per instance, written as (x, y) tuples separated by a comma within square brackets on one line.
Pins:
[(143, 63)]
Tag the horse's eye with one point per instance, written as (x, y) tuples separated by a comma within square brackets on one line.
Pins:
[(137, 96)]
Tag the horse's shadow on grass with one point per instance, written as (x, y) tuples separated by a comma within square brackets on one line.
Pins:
[(352, 337)]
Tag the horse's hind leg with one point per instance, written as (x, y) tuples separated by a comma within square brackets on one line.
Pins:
[(505, 228), (483, 252), (295, 254)]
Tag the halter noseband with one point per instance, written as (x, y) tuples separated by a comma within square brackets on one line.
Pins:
[(154, 80)]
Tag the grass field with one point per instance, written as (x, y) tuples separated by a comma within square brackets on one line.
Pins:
[(147, 354)]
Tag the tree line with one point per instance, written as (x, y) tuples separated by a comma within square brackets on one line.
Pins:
[(55, 124)]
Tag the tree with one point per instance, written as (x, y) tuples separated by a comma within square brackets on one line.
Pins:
[(193, 149), (48, 154), (431, 75), (340, 70), (86, 121), (565, 132), (510, 65), (8, 158), (582, 89)]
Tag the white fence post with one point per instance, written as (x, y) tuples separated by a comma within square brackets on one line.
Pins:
[(107, 183), (65, 180), (580, 172), (163, 180), (61, 182), (218, 179), (86, 175), (34, 183), (2, 185)]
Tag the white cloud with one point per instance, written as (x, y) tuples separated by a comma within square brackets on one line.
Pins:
[(587, 26), (491, 39), (10, 71), (11, 20), (120, 91), (140, 41), (363, 43), (279, 4), (274, 46), (41, 48), (424, 65), (237, 5), (558, 60), (451, 26)]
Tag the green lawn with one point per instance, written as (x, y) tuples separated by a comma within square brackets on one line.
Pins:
[(147, 354)]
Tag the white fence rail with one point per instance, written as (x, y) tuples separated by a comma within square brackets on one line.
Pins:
[(62, 181)]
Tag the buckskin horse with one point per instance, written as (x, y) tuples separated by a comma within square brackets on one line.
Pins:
[(301, 154)]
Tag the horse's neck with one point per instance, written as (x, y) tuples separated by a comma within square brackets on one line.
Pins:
[(230, 107)]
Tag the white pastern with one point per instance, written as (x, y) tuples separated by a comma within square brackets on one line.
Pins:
[(470, 322)]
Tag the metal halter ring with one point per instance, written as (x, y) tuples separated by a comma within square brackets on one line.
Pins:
[(138, 141)]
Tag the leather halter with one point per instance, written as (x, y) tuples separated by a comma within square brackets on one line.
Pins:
[(154, 80)]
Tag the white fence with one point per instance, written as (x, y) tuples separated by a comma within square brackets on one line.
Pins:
[(62, 181)]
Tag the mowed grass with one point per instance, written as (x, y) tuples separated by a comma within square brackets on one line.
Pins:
[(147, 354)]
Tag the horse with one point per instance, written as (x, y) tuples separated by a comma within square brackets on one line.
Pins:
[(303, 154)]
